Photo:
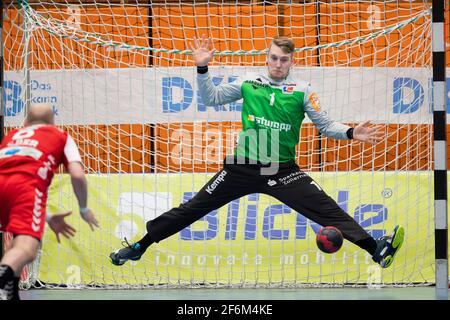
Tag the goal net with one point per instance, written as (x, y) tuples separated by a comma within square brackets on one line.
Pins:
[(120, 78)]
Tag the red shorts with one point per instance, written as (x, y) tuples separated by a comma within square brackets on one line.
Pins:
[(22, 205)]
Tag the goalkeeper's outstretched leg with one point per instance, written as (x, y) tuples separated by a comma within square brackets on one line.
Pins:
[(230, 183)]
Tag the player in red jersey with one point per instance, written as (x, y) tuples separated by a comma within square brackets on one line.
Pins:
[(29, 157)]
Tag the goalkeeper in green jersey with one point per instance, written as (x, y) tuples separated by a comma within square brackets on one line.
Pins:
[(274, 106)]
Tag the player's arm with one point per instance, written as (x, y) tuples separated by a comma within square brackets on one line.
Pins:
[(58, 224), (321, 120), (78, 179), (362, 132), (212, 95), (79, 183)]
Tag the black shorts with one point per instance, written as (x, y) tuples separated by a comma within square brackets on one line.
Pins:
[(239, 177)]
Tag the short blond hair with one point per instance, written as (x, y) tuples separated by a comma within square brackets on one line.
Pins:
[(286, 44)]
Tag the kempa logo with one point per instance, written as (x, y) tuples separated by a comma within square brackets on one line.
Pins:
[(215, 183), (268, 123)]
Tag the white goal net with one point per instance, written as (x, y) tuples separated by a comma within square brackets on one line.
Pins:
[(121, 80)]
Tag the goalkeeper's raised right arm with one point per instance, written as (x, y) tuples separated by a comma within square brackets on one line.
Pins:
[(217, 95), (212, 95)]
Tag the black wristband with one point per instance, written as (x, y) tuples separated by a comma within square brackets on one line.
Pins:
[(202, 69), (350, 133)]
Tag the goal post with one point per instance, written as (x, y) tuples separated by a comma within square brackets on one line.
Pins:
[(121, 80), (440, 150), (2, 125)]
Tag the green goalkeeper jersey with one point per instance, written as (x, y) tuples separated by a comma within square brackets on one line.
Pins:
[(272, 114)]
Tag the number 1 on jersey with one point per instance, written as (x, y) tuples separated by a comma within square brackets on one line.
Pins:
[(272, 99)]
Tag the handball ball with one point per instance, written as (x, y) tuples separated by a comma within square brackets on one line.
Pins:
[(329, 239)]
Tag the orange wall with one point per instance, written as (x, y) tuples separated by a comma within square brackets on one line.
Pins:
[(396, 49), (243, 27), (52, 52), (114, 148)]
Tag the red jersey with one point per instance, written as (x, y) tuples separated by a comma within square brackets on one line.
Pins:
[(28, 159), (37, 150)]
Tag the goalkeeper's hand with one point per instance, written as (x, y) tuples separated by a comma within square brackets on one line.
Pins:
[(365, 133), (200, 51)]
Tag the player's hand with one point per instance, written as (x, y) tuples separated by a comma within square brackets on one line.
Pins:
[(89, 217), (200, 51), (369, 134), (59, 225)]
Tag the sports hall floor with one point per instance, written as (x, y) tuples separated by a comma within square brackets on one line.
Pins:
[(346, 293)]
